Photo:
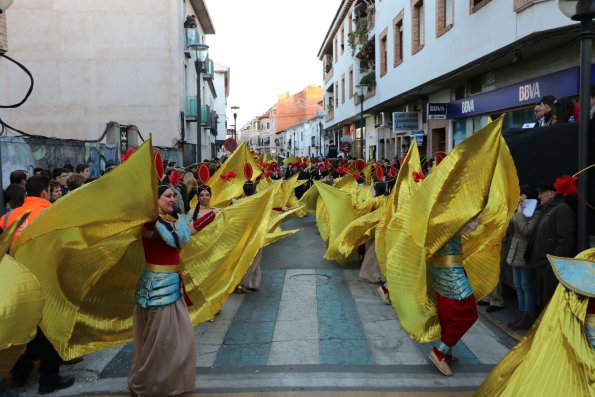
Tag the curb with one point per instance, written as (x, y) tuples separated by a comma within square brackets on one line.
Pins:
[(500, 325)]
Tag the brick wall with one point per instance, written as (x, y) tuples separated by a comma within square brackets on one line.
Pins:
[(3, 35)]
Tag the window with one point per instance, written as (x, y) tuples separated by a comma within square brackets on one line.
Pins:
[(342, 40), (349, 22), (444, 16), (350, 82), (383, 52), (398, 39), (475, 5), (336, 94), (418, 25), (335, 49), (343, 89), (520, 5)]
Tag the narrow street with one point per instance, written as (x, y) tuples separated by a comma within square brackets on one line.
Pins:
[(313, 327)]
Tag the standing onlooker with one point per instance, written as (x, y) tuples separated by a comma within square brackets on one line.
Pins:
[(523, 276), (547, 104), (55, 191), (555, 234), (61, 175), (75, 181), (539, 112), (84, 170), (37, 200), (15, 194)]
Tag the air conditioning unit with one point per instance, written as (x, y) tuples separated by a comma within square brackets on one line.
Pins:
[(382, 119)]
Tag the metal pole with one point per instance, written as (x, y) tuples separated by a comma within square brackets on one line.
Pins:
[(586, 37), (361, 126), (235, 126), (198, 66)]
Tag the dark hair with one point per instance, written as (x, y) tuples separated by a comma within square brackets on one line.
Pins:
[(380, 188), (361, 179), (54, 184), (202, 187), (15, 195), (37, 184), (548, 100), (17, 176), (162, 187), (74, 181), (37, 169), (69, 167), (528, 191), (56, 172), (249, 188), (81, 167)]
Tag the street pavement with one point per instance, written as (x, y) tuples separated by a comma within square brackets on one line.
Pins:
[(314, 328)]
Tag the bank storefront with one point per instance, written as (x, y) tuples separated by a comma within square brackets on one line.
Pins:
[(517, 101)]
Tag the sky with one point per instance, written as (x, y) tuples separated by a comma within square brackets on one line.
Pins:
[(270, 46)]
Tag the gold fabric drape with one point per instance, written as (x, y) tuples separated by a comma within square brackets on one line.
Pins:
[(222, 191), (218, 257), (21, 303), (404, 187), (86, 253), (555, 358), (478, 176), (92, 255)]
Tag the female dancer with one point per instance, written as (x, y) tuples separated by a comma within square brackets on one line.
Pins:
[(164, 362)]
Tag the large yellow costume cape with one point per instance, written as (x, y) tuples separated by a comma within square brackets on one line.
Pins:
[(478, 176), (404, 187), (88, 257), (555, 358), (21, 303)]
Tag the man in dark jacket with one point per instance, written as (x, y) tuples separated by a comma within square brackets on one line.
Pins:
[(556, 235)]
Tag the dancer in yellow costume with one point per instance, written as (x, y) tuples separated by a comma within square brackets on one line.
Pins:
[(93, 258), (557, 357), (478, 176)]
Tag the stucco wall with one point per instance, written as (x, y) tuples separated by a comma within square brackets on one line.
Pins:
[(96, 61), (3, 33)]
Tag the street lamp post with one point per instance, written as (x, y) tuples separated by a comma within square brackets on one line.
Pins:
[(235, 109), (362, 90), (201, 56), (583, 11)]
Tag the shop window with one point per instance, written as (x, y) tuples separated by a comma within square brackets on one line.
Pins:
[(444, 16), (398, 39), (383, 52), (475, 5), (459, 134), (417, 25)]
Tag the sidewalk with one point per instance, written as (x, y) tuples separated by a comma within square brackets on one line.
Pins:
[(506, 315)]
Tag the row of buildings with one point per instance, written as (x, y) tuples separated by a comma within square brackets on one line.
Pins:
[(435, 70), (130, 62), (429, 72)]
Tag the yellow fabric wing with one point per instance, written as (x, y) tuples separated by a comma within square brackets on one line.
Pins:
[(21, 303), (454, 193), (218, 257), (86, 254), (222, 191), (555, 358)]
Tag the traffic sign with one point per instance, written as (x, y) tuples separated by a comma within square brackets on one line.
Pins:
[(345, 147)]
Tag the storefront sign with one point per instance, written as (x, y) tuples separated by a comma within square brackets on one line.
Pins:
[(405, 121), (418, 136), (560, 84), (436, 111)]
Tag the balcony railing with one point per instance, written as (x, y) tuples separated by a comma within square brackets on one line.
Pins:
[(207, 117), (192, 37)]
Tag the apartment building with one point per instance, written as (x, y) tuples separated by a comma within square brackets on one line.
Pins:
[(132, 62), (305, 139), (266, 133), (436, 70)]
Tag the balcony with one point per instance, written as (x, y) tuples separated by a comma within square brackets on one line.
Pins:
[(208, 68), (330, 114), (192, 37), (206, 117)]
